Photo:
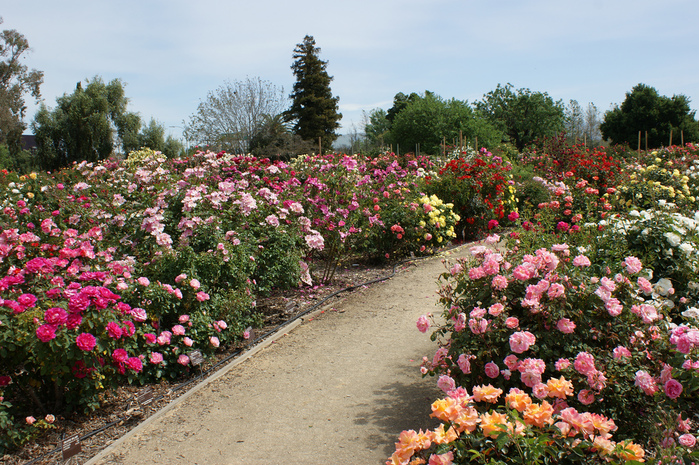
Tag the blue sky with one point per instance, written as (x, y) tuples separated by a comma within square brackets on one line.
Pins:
[(171, 53)]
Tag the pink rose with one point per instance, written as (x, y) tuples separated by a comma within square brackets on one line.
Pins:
[(464, 363), (156, 358), (586, 397), (214, 341), (183, 360), (492, 370), (188, 342), (512, 322), (135, 364), (584, 363), (687, 440), (139, 315), (178, 330), (562, 364), (633, 265), (86, 342), (581, 261), (446, 383), (150, 338), (119, 355), (621, 352), (114, 330), (673, 388), (202, 296), (143, 281), (521, 341), (195, 284), (46, 332), (565, 326), (30, 420), (184, 318), (164, 338)]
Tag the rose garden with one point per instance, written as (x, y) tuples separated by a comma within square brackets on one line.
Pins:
[(570, 336)]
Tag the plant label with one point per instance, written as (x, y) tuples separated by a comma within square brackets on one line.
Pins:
[(145, 397), (70, 446), (195, 357)]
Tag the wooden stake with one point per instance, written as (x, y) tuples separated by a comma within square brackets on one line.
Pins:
[(461, 141), (639, 141), (646, 141), (477, 144), (670, 138)]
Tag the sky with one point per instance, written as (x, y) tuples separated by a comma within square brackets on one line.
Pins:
[(172, 53)]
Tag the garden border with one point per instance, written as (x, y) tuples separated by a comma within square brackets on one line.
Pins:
[(229, 362)]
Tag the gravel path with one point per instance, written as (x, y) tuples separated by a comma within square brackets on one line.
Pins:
[(336, 388)]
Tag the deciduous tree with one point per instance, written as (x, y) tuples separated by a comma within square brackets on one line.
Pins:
[(88, 124), (522, 115), (314, 110), (645, 110), (233, 113), (428, 120), (16, 80)]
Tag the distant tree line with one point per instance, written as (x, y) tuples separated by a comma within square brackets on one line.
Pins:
[(254, 116)]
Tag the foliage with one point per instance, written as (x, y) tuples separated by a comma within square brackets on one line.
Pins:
[(21, 162), (152, 136), (85, 125), (377, 127), (314, 110), (16, 80), (522, 115), (428, 120), (234, 113), (645, 110), (275, 140)]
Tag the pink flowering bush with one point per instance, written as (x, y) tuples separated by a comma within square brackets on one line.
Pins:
[(518, 320), (115, 272)]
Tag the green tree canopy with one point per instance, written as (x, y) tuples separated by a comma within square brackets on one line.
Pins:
[(314, 110), (16, 80), (152, 136), (376, 127), (645, 110), (428, 120), (85, 125), (522, 115)]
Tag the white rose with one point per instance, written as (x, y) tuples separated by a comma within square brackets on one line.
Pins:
[(686, 248), (691, 312), (673, 239)]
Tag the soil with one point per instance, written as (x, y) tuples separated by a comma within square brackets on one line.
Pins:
[(337, 385)]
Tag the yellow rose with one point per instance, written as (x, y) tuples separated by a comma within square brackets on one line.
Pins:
[(32, 175)]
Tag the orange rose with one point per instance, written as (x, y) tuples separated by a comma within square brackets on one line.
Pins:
[(538, 414), (560, 388), (486, 393), (494, 423), (517, 399)]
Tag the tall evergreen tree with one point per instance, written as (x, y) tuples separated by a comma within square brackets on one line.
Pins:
[(314, 110)]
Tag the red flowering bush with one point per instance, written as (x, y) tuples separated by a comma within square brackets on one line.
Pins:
[(480, 188)]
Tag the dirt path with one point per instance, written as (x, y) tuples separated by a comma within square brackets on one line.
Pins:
[(337, 388)]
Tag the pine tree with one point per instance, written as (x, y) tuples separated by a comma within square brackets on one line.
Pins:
[(314, 110)]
